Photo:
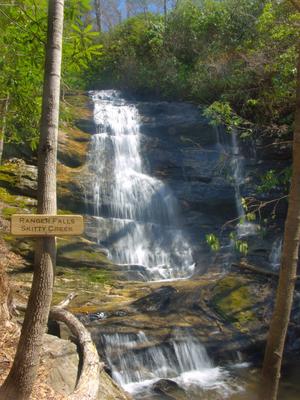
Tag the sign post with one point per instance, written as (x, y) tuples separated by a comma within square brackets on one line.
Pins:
[(46, 225)]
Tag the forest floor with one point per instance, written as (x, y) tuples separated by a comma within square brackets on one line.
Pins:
[(9, 336)]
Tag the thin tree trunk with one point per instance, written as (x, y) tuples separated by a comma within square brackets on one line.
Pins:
[(19, 383), (165, 12), (288, 272), (98, 11), (2, 134), (128, 9)]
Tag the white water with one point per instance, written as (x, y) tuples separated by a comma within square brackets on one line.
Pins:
[(137, 214), (244, 227), (231, 148), (137, 364), (275, 254)]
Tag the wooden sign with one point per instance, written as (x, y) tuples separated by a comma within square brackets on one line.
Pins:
[(46, 225)]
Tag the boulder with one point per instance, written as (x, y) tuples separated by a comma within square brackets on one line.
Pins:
[(169, 390), (18, 177), (62, 361)]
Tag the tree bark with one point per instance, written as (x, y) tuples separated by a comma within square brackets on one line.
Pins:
[(98, 11), (287, 277), (19, 383)]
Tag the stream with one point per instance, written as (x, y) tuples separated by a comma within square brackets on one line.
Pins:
[(145, 217)]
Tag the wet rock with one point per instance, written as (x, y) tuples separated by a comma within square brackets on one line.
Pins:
[(133, 272), (86, 125), (203, 307), (158, 301), (80, 252), (97, 316), (169, 390)]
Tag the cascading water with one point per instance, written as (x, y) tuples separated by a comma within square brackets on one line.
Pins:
[(137, 365), (244, 228), (135, 217), (228, 145), (136, 213), (275, 254)]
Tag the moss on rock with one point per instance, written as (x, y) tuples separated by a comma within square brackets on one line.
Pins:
[(233, 300), (18, 177), (72, 147), (78, 252), (71, 188)]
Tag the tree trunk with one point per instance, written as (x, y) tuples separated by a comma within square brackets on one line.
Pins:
[(128, 9), (165, 12), (287, 277), (19, 383), (98, 11), (2, 134)]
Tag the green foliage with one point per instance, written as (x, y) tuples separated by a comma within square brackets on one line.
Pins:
[(240, 245), (274, 179), (236, 57), (22, 49), (23, 29), (221, 113), (213, 242)]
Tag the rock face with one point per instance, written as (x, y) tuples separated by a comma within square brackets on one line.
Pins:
[(226, 313), (209, 171), (19, 177), (181, 149)]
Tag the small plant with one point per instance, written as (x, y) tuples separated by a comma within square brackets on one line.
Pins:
[(213, 241)]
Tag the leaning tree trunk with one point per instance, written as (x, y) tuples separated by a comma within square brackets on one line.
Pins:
[(19, 383), (288, 272)]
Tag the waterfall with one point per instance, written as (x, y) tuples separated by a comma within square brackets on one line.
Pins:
[(137, 364), (275, 254), (136, 214), (228, 145), (244, 228)]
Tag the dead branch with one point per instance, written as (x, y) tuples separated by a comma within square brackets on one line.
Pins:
[(88, 384), (67, 300), (258, 270), (255, 207)]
